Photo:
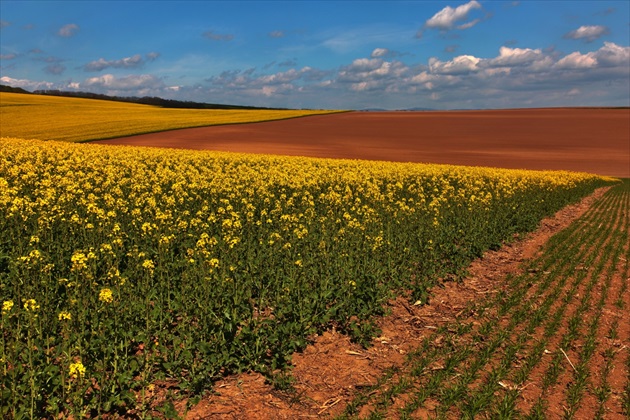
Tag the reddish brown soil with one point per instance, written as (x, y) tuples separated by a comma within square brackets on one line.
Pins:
[(330, 372), (576, 139)]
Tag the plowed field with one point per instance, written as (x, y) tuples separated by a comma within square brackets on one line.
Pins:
[(586, 140)]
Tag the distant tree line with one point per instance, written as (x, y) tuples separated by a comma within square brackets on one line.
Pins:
[(145, 100), (5, 88)]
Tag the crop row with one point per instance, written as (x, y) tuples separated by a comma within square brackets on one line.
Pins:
[(542, 336), (122, 267)]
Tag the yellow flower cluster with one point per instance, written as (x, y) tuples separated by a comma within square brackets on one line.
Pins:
[(106, 295), (76, 370), (7, 305), (30, 305), (64, 316), (219, 202)]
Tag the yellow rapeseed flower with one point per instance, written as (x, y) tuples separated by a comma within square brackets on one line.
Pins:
[(30, 305), (148, 265), (106, 296), (76, 370), (64, 316), (7, 305)]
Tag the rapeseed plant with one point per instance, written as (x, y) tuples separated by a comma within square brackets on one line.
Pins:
[(189, 249)]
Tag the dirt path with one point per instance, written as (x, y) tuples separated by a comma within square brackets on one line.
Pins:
[(538, 326), (586, 140)]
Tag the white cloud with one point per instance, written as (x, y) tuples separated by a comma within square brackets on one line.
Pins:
[(124, 63), (365, 64), (461, 64), (515, 57), (139, 82), (283, 77), (7, 56), (446, 18), (577, 60), (468, 25), (379, 52), (68, 30), (612, 54), (385, 53), (26, 84), (589, 33)]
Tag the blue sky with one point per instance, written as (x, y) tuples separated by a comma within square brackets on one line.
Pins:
[(325, 54)]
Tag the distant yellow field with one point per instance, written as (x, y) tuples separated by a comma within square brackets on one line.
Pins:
[(76, 119)]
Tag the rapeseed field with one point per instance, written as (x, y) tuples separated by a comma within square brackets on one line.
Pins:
[(77, 120), (121, 267)]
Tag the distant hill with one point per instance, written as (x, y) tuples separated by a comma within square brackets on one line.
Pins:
[(145, 100), (4, 88), (418, 109)]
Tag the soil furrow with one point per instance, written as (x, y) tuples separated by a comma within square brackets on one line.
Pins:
[(557, 371), (456, 391), (605, 339)]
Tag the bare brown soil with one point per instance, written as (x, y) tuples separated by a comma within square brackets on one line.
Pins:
[(331, 371), (575, 139)]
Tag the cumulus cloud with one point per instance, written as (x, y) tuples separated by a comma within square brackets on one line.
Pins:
[(134, 82), (461, 64), (577, 60), (7, 56), (611, 55), (380, 52), (588, 33), (217, 37), (132, 62), (512, 77), (515, 57), (385, 53), (68, 30), (26, 84), (446, 18), (152, 56), (247, 84)]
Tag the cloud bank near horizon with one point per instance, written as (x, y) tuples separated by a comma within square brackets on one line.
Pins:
[(486, 81)]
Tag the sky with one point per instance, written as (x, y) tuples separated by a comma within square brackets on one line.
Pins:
[(325, 54)]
